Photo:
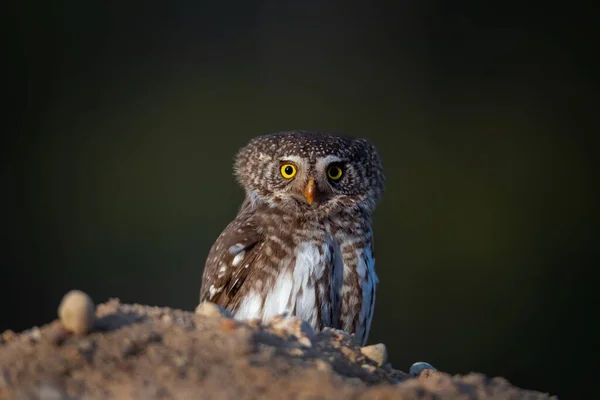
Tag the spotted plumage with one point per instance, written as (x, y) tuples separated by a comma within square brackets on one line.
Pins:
[(302, 241)]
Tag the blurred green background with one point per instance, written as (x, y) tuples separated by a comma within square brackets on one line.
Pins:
[(123, 121)]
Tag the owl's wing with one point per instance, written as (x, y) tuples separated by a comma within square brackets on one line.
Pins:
[(228, 261), (369, 288)]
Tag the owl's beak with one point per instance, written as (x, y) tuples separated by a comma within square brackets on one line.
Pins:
[(309, 190)]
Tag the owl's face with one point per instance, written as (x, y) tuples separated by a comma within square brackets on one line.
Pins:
[(310, 174)]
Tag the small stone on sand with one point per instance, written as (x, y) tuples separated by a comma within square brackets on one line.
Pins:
[(376, 352), (417, 368), (77, 312), (211, 310)]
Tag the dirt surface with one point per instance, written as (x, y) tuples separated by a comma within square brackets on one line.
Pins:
[(142, 352)]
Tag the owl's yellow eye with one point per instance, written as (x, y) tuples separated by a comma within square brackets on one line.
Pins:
[(288, 171), (334, 172)]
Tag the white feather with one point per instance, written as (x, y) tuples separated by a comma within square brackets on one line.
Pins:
[(276, 302), (309, 261), (284, 293), (249, 307), (292, 288)]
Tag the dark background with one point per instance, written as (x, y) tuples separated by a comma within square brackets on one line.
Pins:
[(123, 121)]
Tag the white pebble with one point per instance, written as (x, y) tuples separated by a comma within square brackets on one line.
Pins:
[(376, 352), (417, 368), (77, 312), (36, 334), (211, 310), (305, 341)]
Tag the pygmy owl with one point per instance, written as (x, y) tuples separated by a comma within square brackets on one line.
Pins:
[(301, 243)]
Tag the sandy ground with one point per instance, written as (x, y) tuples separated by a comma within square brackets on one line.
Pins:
[(141, 352)]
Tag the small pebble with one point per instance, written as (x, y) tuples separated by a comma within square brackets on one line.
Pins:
[(369, 368), (376, 352), (417, 368), (211, 310), (35, 335), (305, 341), (295, 352), (77, 312)]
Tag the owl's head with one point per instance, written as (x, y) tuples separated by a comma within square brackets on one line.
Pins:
[(310, 173)]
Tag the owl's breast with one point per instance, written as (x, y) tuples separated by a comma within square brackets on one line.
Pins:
[(300, 284)]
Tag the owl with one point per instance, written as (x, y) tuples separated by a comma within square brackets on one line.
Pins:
[(302, 241)]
